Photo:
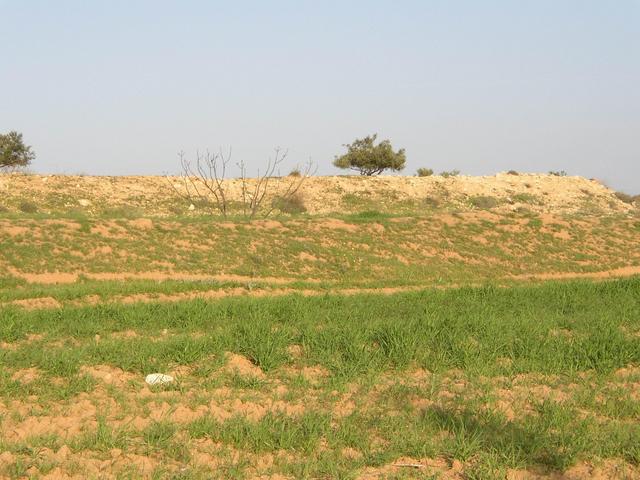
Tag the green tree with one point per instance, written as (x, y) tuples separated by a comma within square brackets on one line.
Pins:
[(370, 159), (13, 152)]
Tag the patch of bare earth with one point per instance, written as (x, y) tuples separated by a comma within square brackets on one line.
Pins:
[(26, 375), (425, 468), (240, 365), (606, 470), (108, 374), (40, 303)]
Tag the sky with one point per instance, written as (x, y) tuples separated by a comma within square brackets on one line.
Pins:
[(120, 87)]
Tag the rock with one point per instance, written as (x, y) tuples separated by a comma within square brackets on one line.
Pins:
[(84, 202), (158, 379), (192, 207)]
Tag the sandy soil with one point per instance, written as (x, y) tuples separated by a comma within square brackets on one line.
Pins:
[(157, 195)]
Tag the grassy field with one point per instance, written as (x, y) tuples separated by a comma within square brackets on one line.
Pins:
[(467, 328), (466, 383)]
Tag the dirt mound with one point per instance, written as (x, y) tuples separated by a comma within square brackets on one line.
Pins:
[(242, 366), (130, 197)]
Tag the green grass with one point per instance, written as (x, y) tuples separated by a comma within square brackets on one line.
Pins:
[(473, 344), (429, 327)]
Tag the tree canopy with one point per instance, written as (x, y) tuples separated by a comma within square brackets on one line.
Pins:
[(13, 152), (370, 159)]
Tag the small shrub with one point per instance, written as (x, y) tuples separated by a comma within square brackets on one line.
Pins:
[(624, 197), (28, 207), (290, 204), (526, 198), (424, 172), (512, 172), (561, 173), (295, 173), (176, 209), (431, 202), (483, 201), (451, 173)]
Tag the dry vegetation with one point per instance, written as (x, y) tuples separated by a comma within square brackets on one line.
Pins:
[(387, 327), (151, 196)]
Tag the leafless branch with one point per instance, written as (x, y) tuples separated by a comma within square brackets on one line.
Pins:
[(205, 179)]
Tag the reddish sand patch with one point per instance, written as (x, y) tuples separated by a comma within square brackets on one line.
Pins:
[(267, 225), (26, 375), (41, 303), (143, 223), (307, 257), (617, 272), (78, 417), (14, 230), (49, 277), (107, 374), (336, 224), (242, 366), (425, 468), (607, 470)]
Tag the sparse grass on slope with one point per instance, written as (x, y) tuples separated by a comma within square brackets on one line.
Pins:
[(116, 258)]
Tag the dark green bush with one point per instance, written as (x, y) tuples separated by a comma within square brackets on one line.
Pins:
[(13, 151), (370, 159), (28, 207), (483, 201)]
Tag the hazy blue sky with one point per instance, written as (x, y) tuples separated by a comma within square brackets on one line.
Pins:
[(119, 87)]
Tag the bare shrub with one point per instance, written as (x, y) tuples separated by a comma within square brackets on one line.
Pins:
[(204, 179), (205, 183)]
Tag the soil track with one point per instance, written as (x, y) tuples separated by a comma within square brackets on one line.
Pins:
[(46, 303)]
